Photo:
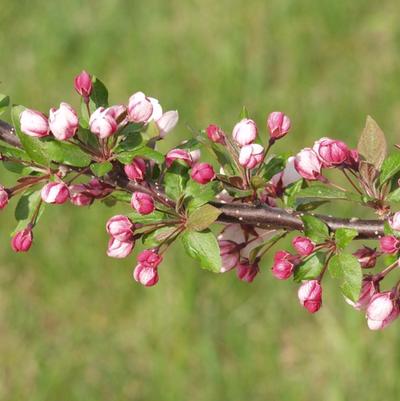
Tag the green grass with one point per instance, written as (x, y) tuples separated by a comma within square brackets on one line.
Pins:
[(73, 324)]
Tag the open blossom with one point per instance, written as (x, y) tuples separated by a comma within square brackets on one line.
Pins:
[(120, 227), (119, 249), (167, 122), (278, 124), (382, 310), (389, 244), (394, 221), (202, 173), (331, 152), (140, 108), (283, 265), (63, 122), (307, 164), (245, 132), (178, 154), (149, 258), (366, 256), (102, 123), (229, 252), (83, 84), (215, 134), (79, 195), (303, 245), (368, 290), (310, 295), (145, 275), (55, 192), (136, 170), (22, 240), (3, 197), (142, 203), (246, 271), (34, 123), (251, 155), (118, 113)]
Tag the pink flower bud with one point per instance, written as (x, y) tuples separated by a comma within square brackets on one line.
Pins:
[(310, 295), (278, 124), (3, 197), (149, 258), (120, 227), (22, 240), (353, 159), (136, 170), (83, 84), (389, 244), (215, 134), (195, 155), (118, 113), (382, 310), (247, 272), (394, 221), (102, 123), (245, 132), (119, 249), (63, 122), (251, 155), (34, 123), (79, 195), (229, 252), (178, 154), (140, 108), (283, 265), (366, 256), (331, 152), (167, 122), (368, 290), (142, 203), (307, 164), (98, 189), (146, 276), (202, 173), (55, 192), (303, 245)]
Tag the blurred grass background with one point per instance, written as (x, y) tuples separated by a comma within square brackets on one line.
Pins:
[(73, 324)]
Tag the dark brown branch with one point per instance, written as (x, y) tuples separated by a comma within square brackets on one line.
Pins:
[(260, 216)]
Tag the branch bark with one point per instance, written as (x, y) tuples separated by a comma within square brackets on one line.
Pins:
[(255, 215)]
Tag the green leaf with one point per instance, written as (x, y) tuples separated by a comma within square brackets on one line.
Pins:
[(244, 113), (66, 153), (272, 167), (343, 237), (175, 180), (84, 120), (152, 129), (347, 269), (322, 192), (390, 167), (144, 152), (315, 228), (101, 169), (4, 103), (133, 140), (152, 218), (99, 95), (308, 204), (121, 196), (394, 196), (26, 207), (156, 237), (34, 147), (14, 153), (17, 168), (372, 143), (311, 268), (197, 194), (88, 137), (203, 246), (202, 218)]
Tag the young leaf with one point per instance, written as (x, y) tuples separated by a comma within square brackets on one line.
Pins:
[(152, 218), (66, 153), (175, 180), (26, 208), (390, 167), (156, 237), (203, 246), (311, 268), (315, 228), (244, 113), (99, 95), (347, 269), (394, 196), (343, 237), (101, 169), (202, 218), (197, 194), (4, 103), (372, 143), (34, 147), (144, 152)]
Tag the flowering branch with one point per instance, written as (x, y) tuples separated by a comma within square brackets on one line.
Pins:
[(109, 154)]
